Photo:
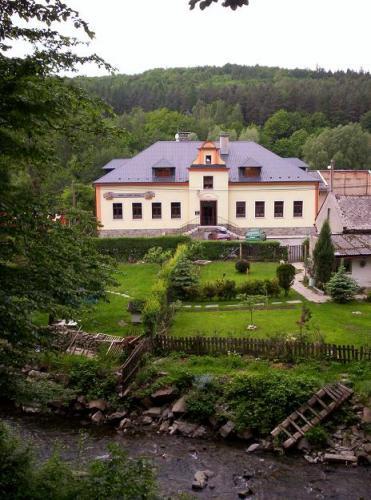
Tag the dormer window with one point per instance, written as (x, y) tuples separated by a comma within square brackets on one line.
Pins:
[(207, 159), (163, 172), (250, 172)]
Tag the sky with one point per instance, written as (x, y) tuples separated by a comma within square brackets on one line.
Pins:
[(137, 35)]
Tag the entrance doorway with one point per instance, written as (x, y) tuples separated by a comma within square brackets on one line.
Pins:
[(208, 213)]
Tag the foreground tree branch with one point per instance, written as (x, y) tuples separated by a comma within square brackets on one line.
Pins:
[(232, 4)]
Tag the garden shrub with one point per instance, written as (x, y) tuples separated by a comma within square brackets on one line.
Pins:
[(272, 287), (317, 436), (209, 290), (225, 289), (200, 404), (134, 249), (341, 287), (324, 255), (252, 287), (157, 255), (261, 401), (242, 266), (285, 275), (136, 306), (195, 250), (151, 315)]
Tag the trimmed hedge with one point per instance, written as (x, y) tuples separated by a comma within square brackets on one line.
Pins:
[(251, 250), (133, 249)]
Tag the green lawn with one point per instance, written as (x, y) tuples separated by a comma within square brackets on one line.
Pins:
[(335, 322), (134, 280), (216, 270)]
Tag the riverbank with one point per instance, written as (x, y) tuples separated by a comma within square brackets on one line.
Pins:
[(177, 460)]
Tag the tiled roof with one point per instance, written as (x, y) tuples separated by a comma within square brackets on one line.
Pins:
[(183, 153), (352, 244), (298, 162), (355, 212)]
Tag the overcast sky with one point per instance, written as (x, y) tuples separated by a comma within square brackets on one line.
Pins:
[(136, 35)]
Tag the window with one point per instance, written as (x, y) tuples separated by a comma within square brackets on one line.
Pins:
[(298, 209), (117, 210), (208, 182), (163, 172), (208, 159), (156, 211), (278, 208), (259, 209), (240, 209), (137, 210), (250, 171), (175, 210)]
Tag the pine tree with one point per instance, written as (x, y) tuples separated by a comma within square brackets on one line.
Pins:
[(324, 256), (341, 287)]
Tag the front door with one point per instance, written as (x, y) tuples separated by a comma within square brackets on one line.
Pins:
[(208, 213)]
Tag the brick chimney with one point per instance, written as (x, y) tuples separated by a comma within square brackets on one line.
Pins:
[(224, 143)]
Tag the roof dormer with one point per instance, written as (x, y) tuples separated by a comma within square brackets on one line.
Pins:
[(249, 169), (163, 170)]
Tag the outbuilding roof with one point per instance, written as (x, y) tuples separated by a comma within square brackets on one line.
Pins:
[(351, 244), (355, 212), (183, 153), (115, 163)]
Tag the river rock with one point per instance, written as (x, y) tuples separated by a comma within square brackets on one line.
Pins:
[(185, 428), (246, 434), (227, 429), (200, 432), (97, 404), (117, 415), (97, 417), (125, 423), (164, 427), (363, 458), (164, 395), (303, 444), (245, 493), (154, 412), (147, 420), (180, 406), (344, 457), (31, 409), (199, 480), (366, 415), (37, 375), (253, 447)]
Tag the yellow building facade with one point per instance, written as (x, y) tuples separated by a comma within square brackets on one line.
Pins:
[(206, 185)]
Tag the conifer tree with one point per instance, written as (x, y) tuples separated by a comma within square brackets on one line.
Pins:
[(324, 256)]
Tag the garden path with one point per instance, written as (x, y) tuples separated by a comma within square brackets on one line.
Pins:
[(307, 293)]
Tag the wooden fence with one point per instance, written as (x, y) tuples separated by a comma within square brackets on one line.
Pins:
[(134, 361), (269, 349)]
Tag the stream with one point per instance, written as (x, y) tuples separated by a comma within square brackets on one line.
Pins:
[(177, 459)]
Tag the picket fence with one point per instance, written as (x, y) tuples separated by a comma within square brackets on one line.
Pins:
[(269, 349)]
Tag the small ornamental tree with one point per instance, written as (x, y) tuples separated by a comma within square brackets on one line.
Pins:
[(251, 301), (324, 256), (285, 274), (341, 287), (182, 277)]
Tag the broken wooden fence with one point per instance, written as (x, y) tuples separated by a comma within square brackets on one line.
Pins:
[(270, 349), (134, 361), (318, 407)]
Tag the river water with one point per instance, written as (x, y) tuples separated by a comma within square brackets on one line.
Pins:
[(177, 459)]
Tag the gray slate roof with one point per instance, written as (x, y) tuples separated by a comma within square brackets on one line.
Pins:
[(298, 162), (182, 154), (355, 212), (117, 162), (351, 244)]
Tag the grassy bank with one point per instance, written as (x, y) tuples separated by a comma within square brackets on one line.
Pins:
[(334, 322)]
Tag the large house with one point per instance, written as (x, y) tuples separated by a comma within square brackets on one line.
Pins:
[(350, 222), (174, 186)]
